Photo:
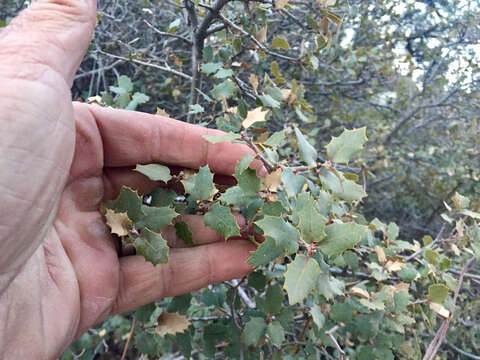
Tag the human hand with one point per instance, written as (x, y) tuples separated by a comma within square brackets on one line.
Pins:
[(59, 269)]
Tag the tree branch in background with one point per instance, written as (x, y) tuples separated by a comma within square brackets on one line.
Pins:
[(159, 67), (163, 33), (258, 43)]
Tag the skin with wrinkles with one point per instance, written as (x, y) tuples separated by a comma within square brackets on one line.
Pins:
[(59, 270)]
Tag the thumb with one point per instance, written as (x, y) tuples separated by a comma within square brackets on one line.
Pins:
[(52, 33)]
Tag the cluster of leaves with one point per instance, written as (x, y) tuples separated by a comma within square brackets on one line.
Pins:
[(271, 75), (353, 288)]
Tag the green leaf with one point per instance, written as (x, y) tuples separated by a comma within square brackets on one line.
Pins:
[(243, 164), (214, 139), (341, 149), (223, 73), (200, 185), (211, 68), (269, 101), (431, 256), (152, 246), (236, 196), (471, 214), (254, 330), (156, 217), (248, 181), (196, 109), (265, 253), (401, 299), (125, 83), (224, 89), (220, 219), (183, 232), (317, 315), (128, 201), (275, 332), (180, 304), (274, 299), (301, 278), (147, 343), (341, 237), (155, 172), (293, 183), (311, 223), (344, 189), (437, 293), (275, 139), (257, 280), (162, 197), (280, 43), (174, 25), (143, 313), (408, 273), (329, 286), (284, 234), (307, 152)]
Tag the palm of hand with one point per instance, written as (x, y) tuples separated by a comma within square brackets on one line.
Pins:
[(59, 270)]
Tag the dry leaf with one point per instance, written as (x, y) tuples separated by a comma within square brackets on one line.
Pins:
[(280, 4), (176, 61), (273, 180), (394, 266), (253, 80), (380, 254), (357, 291), (440, 310), (455, 249), (263, 137), (95, 99), (262, 35), (326, 3), (256, 115), (171, 323), (288, 96), (161, 112), (119, 223)]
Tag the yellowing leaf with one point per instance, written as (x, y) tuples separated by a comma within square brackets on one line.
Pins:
[(280, 4), (256, 115), (262, 35), (380, 254), (171, 323), (253, 80), (280, 43), (272, 181), (119, 223), (357, 291), (440, 310)]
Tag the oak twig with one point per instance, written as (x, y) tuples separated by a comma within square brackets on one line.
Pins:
[(443, 329), (129, 338)]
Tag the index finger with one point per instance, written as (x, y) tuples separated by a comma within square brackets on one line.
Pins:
[(131, 138)]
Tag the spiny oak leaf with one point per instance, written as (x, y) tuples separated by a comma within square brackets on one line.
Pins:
[(155, 172), (220, 219), (283, 233), (152, 246), (171, 323), (341, 236), (119, 223), (341, 149), (301, 278), (200, 185)]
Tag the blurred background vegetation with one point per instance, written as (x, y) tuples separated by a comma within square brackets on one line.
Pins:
[(407, 70)]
